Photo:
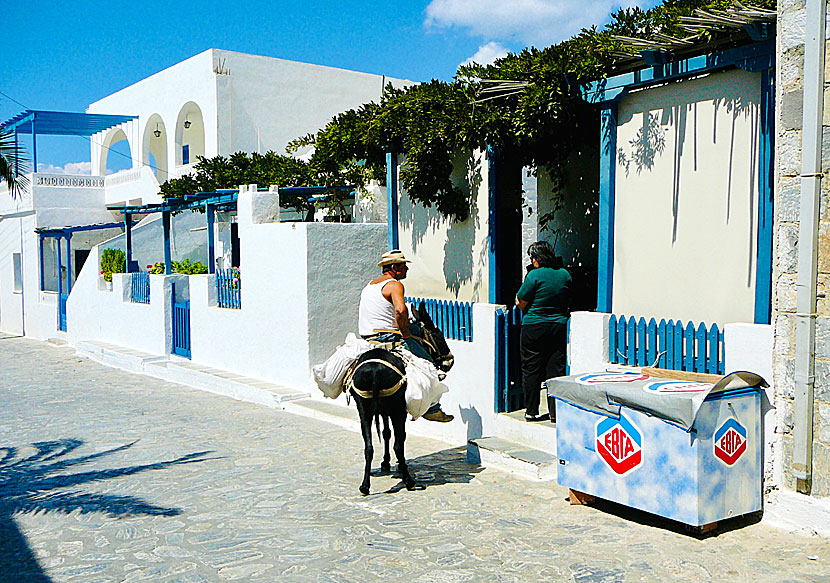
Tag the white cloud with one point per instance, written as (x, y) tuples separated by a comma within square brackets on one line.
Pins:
[(532, 22), (68, 168), (487, 53)]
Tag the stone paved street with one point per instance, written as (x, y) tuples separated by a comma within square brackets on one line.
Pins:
[(110, 476)]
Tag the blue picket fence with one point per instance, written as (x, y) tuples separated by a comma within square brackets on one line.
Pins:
[(669, 345), (454, 319), (140, 287), (62, 311), (229, 288)]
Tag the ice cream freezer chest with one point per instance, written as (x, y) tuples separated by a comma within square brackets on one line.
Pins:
[(697, 475)]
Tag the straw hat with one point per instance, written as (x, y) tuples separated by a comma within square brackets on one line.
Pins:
[(393, 256)]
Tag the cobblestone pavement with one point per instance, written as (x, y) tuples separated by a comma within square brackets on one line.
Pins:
[(110, 476)]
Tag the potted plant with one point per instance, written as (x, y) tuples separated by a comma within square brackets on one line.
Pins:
[(112, 261)]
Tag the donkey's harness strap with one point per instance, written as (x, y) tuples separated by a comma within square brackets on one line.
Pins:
[(383, 392)]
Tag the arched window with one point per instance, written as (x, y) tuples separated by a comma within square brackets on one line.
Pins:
[(116, 153), (154, 147), (190, 134)]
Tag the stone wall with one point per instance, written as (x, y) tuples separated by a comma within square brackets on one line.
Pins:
[(790, 72)]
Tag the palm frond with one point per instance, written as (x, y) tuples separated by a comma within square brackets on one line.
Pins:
[(12, 165)]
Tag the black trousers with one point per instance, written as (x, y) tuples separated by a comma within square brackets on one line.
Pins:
[(543, 348)]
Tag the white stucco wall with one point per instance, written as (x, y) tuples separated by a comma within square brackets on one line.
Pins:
[(450, 259), (264, 103), (686, 200), (108, 316)]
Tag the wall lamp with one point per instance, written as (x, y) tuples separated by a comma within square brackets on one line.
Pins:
[(157, 131), (186, 122)]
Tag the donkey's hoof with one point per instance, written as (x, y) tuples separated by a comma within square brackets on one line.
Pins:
[(364, 490), (411, 485), (385, 467)]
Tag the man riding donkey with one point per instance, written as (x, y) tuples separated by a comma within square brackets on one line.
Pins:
[(383, 317)]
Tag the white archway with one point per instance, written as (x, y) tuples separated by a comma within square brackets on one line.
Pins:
[(190, 134), (113, 137), (154, 147)]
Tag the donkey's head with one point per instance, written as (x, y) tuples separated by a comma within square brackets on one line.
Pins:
[(435, 343)]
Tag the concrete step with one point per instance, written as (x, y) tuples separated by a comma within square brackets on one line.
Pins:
[(222, 382), (117, 356), (539, 435), (512, 457), (335, 411)]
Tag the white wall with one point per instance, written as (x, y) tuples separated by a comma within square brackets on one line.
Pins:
[(108, 316), (450, 259), (686, 200), (133, 186), (264, 102)]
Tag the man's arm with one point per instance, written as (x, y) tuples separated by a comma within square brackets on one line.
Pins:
[(394, 289)]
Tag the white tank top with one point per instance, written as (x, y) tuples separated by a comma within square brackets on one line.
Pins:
[(376, 312)]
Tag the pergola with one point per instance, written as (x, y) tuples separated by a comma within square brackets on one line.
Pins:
[(59, 123), (222, 199)]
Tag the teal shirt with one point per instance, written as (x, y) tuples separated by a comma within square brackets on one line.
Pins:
[(547, 292)]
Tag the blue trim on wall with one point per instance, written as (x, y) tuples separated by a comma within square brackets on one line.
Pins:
[(128, 245), (607, 188), (68, 263), (165, 223), (392, 199), (40, 258), (209, 212), (494, 275), (755, 57), (763, 266)]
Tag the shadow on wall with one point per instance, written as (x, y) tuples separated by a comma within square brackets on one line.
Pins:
[(41, 483), (459, 264), (677, 106)]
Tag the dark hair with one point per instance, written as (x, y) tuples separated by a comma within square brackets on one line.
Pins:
[(542, 252), (387, 268)]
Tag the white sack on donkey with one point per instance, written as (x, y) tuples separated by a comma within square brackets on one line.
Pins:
[(330, 374)]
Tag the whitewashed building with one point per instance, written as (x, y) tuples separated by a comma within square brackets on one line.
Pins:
[(215, 103)]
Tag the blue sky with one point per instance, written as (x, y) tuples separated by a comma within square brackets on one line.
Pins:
[(66, 55)]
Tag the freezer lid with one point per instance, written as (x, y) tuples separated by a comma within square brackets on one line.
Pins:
[(671, 400)]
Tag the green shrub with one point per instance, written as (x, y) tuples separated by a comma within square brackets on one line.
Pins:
[(113, 261), (187, 267)]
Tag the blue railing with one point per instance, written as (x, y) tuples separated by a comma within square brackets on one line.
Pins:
[(140, 287), (668, 345), (229, 288), (454, 319)]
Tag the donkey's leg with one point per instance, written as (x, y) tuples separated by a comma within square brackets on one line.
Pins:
[(387, 435), (399, 427), (364, 408)]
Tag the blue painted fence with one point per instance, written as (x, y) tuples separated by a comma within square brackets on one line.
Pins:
[(454, 319), (229, 288), (140, 287), (668, 345), (508, 373)]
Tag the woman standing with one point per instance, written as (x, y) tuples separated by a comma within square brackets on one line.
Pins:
[(544, 298)]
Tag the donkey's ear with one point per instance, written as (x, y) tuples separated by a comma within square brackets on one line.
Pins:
[(423, 315)]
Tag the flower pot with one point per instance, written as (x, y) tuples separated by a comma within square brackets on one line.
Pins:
[(108, 285)]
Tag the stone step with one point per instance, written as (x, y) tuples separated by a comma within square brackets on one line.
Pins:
[(537, 435), (222, 382), (117, 356), (335, 411), (512, 457)]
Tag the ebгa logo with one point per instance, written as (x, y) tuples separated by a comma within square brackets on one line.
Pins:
[(619, 444), (730, 442)]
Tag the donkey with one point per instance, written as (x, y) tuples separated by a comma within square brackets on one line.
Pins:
[(379, 387)]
